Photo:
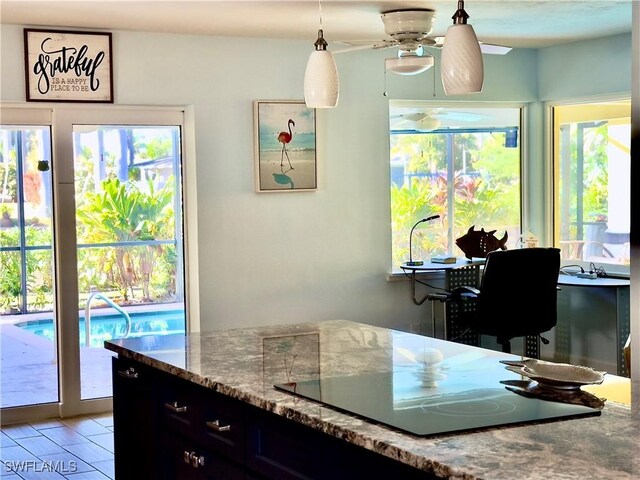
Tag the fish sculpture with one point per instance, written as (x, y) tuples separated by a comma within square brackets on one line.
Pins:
[(477, 243)]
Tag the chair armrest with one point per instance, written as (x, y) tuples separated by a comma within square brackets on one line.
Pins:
[(443, 297), (464, 293)]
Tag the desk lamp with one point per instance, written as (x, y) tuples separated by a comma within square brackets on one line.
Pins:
[(411, 263)]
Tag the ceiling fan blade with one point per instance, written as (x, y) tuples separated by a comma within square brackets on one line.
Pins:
[(414, 117), (494, 49), (356, 45), (353, 48), (488, 48), (461, 116)]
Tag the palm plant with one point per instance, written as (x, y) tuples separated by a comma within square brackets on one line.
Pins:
[(122, 213)]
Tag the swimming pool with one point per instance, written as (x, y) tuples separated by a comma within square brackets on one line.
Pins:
[(110, 326)]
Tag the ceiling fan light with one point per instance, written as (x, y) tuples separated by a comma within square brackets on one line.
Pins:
[(409, 64), (428, 124), (321, 83), (462, 68)]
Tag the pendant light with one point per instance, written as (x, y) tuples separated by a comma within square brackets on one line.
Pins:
[(321, 85), (462, 70)]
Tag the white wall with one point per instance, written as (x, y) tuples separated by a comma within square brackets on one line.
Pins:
[(283, 257), (583, 69)]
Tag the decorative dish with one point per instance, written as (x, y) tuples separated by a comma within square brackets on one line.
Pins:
[(556, 375)]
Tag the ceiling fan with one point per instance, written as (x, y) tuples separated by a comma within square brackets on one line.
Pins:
[(431, 119), (418, 121), (409, 30)]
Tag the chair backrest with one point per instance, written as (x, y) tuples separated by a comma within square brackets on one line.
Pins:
[(518, 293)]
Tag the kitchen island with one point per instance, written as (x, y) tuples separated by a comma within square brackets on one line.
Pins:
[(225, 379)]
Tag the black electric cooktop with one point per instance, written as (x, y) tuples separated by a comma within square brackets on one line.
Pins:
[(443, 400)]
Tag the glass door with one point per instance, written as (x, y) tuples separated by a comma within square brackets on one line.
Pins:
[(128, 206), (28, 368), (91, 201), (120, 219)]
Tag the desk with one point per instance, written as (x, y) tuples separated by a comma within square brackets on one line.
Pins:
[(593, 322), (463, 272), (593, 316)]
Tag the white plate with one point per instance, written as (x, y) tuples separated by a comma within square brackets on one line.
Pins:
[(557, 375)]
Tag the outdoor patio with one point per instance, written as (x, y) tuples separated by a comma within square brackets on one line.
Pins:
[(28, 362), (28, 369)]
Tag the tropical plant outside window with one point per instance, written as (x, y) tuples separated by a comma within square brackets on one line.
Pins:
[(25, 250), (126, 203), (460, 163), (592, 190), (127, 208)]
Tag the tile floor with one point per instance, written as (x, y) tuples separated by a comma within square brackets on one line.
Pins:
[(78, 448)]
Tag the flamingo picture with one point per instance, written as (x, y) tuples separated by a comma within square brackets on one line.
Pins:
[(285, 138)]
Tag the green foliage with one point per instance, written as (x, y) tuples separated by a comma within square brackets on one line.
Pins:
[(157, 147), (108, 212), (485, 194), (8, 186), (595, 177), (126, 213), (38, 270)]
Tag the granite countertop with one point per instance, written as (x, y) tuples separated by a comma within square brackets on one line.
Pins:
[(246, 363)]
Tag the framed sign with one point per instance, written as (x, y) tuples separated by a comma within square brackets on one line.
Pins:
[(65, 66), (285, 146)]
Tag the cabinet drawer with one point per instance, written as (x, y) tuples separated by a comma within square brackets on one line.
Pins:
[(204, 416), (221, 425), (183, 459), (279, 449), (177, 403)]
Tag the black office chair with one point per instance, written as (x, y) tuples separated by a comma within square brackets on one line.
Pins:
[(517, 297)]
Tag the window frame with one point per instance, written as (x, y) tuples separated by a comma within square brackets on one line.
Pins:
[(525, 201), (612, 269)]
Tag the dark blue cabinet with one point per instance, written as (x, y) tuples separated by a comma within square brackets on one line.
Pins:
[(169, 428)]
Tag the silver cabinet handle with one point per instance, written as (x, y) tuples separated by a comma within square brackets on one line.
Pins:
[(173, 406), (215, 425), (128, 373), (196, 460)]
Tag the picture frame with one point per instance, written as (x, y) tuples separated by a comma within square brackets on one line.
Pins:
[(285, 146), (68, 66)]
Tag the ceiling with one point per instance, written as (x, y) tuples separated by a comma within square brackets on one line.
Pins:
[(517, 23)]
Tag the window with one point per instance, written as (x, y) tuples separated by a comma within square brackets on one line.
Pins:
[(462, 163), (591, 145)]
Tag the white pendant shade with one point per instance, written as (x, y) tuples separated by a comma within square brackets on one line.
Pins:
[(409, 64), (321, 84), (462, 68)]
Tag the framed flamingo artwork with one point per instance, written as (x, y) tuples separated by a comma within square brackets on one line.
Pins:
[(285, 146)]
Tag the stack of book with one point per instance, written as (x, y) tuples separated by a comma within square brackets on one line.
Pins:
[(443, 259)]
